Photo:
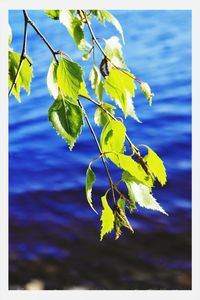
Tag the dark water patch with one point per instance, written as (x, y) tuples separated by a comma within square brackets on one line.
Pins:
[(134, 262), (152, 258)]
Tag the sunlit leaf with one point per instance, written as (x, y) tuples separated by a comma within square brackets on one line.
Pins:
[(113, 50), (126, 163), (121, 88), (156, 166), (53, 14), (104, 15), (96, 82), (52, 79), (69, 78), (140, 193), (83, 90), (146, 90), (120, 218), (25, 74), (90, 179), (113, 137), (75, 28), (130, 108), (101, 117), (107, 218), (67, 118)]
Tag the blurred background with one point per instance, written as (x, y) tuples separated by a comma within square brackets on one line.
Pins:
[(53, 233)]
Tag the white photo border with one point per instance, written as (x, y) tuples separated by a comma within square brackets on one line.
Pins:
[(192, 5)]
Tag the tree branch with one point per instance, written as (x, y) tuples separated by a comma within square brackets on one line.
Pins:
[(132, 146), (100, 151), (23, 53), (103, 52), (31, 23)]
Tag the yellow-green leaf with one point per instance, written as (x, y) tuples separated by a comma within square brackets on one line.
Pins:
[(25, 74), (131, 109), (156, 166), (126, 163), (90, 179), (53, 14), (75, 28), (121, 88), (107, 218), (146, 90), (113, 50), (83, 90), (67, 118), (52, 79), (140, 193), (101, 117), (69, 78), (113, 137), (104, 15), (96, 82), (120, 218)]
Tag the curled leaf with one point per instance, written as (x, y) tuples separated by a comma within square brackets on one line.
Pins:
[(90, 179), (146, 90)]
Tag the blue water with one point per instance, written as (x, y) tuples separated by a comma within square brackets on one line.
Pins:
[(46, 180)]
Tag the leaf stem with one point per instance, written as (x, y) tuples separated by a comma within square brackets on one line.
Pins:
[(132, 146), (100, 151), (31, 23), (103, 52)]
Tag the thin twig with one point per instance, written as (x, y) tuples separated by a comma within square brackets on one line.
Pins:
[(132, 146), (100, 151), (23, 54), (31, 23), (122, 195), (103, 52)]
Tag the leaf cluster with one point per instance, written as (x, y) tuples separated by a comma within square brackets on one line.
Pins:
[(110, 77)]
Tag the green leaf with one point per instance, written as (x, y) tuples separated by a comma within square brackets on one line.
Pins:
[(53, 14), (69, 78), (113, 50), (156, 166), (140, 193), (90, 179), (126, 163), (121, 204), (67, 118), (74, 27), (25, 74), (130, 109), (113, 137), (96, 82), (104, 15), (83, 90), (146, 90), (52, 79), (107, 218), (120, 218), (9, 35), (120, 86), (101, 117), (127, 179)]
